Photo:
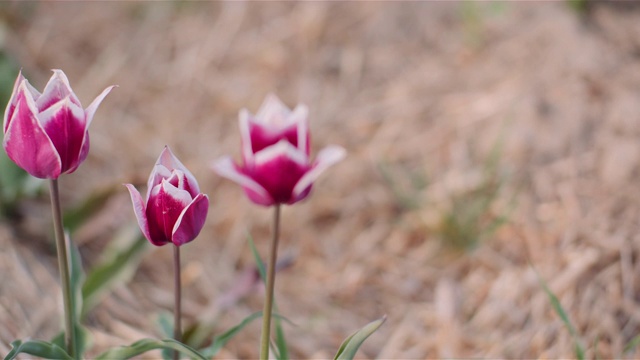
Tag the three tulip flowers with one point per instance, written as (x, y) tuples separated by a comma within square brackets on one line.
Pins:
[(277, 168)]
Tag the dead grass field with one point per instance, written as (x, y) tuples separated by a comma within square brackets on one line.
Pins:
[(527, 112)]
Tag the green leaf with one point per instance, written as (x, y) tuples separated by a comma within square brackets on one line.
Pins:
[(220, 341), (280, 348), (631, 344), (144, 345), (76, 280), (557, 307), (37, 348), (350, 345), (117, 266), (77, 216), (280, 340)]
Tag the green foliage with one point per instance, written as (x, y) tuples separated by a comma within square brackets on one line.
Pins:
[(632, 344), (557, 307), (39, 348), (144, 345), (95, 202), (351, 344), (579, 6), (405, 186), (116, 267), (221, 340), (471, 218)]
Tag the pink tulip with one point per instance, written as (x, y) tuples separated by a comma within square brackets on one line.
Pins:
[(47, 134), (174, 210), (275, 148)]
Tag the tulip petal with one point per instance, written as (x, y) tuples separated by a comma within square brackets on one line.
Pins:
[(300, 116), (258, 194), (158, 173), (326, 157), (273, 111), (13, 101), (26, 141), (141, 213), (191, 220), (171, 162), (278, 168), (164, 206), (64, 123), (90, 111), (56, 89)]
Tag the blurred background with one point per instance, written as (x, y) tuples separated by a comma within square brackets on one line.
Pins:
[(492, 147)]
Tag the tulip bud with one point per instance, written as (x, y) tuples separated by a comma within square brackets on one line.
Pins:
[(47, 134), (275, 150), (174, 210)]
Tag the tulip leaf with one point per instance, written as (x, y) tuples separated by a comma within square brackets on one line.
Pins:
[(117, 266), (280, 348), (37, 348), (76, 279), (350, 345), (220, 341), (557, 307), (144, 345), (75, 217)]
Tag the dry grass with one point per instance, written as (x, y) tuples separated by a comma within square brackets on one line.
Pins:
[(425, 89)]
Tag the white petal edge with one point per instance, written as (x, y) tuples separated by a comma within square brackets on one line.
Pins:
[(325, 159), (57, 79), (171, 162), (225, 167), (299, 116), (90, 111), (272, 107), (139, 208), (180, 195), (281, 148), (158, 173), (244, 120), (47, 115), (13, 100)]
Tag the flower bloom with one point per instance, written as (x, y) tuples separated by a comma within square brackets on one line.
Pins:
[(47, 134), (276, 165), (174, 210)]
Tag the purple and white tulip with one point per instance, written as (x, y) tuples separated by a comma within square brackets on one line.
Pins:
[(47, 134), (175, 209), (277, 168)]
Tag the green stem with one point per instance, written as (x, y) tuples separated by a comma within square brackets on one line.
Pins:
[(177, 311), (63, 266), (271, 279)]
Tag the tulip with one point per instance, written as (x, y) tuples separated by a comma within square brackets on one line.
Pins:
[(174, 210), (276, 165), (47, 134)]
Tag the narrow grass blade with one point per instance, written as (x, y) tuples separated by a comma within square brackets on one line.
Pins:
[(37, 348), (222, 340), (557, 307), (144, 345), (631, 344), (115, 269), (350, 346), (76, 279), (77, 216)]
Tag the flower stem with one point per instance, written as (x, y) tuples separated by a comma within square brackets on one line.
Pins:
[(271, 279), (63, 266), (177, 311)]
